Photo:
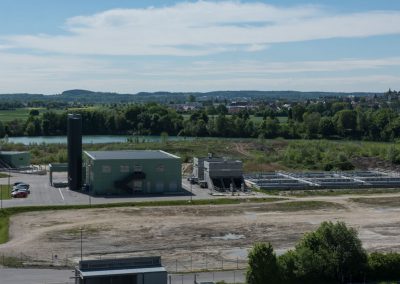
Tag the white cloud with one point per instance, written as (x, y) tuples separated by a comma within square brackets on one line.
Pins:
[(56, 73), (200, 28)]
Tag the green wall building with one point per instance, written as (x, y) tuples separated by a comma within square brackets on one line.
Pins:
[(15, 159), (132, 172)]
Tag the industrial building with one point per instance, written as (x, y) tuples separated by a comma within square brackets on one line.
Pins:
[(139, 270), (218, 173), (132, 172), (323, 180), (14, 160)]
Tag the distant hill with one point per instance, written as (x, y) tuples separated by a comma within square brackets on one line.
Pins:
[(91, 97)]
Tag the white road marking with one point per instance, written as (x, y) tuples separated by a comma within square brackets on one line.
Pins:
[(62, 196)]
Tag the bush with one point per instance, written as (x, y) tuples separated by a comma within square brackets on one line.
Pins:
[(263, 265), (384, 266)]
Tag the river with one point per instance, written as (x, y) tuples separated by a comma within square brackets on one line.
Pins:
[(91, 139)]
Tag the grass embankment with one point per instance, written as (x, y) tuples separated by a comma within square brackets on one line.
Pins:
[(329, 192), (3, 175), (381, 201), (5, 191)]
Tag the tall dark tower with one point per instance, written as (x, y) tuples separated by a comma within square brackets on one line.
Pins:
[(74, 129)]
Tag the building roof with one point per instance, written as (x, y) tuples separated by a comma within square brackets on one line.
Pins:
[(130, 155), (12, 152), (110, 272)]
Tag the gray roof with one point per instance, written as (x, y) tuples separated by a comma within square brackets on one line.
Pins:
[(130, 155), (110, 272), (12, 152)]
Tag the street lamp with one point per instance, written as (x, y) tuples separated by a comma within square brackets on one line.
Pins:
[(81, 244)]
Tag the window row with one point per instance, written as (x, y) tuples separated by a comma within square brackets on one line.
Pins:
[(126, 168)]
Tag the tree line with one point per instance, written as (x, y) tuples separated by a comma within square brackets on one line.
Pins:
[(331, 254), (313, 121)]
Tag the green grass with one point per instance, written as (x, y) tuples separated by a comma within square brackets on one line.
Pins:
[(5, 191), (294, 206), (331, 192), (379, 202), (4, 175), (4, 225), (19, 113), (265, 155)]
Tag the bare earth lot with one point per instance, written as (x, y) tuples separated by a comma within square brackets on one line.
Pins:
[(210, 235)]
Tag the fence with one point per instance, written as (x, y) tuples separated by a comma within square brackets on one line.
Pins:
[(234, 276), (193, 262)]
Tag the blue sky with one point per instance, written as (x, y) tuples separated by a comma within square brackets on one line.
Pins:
[(48, 46)]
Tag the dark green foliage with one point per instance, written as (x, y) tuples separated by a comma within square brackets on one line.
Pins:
[(263, 266), (331, 254), (384, 266)]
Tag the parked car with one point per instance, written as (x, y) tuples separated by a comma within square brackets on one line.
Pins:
[(19, 194), (20, 188), (21, 184)]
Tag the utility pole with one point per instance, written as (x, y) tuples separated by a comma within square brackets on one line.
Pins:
[(1, 196), (191, 192), (9, 171), (81, 244)]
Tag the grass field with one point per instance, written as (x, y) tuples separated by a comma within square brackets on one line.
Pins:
[(23, 113), (19, 113), (3, 175), (5, 191)]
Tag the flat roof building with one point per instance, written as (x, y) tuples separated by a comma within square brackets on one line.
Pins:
[(132, 172), (138, 270)]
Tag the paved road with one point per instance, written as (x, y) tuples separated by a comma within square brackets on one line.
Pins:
[(44, 194), (53, 276)]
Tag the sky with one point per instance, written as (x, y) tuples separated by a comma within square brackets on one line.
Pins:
[(128, 46)]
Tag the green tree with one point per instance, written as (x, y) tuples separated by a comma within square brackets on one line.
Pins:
[(331, 253), (326, 127), (297, 112), (34, 112), (263, 266), (311, 123), (346, 122)]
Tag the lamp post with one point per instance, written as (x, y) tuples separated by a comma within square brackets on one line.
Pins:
[(81, 244), (191, 192)]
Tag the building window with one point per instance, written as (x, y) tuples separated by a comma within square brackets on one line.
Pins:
[(124, 169), (106, 169), (160, 168), (138, 168), (137, 185)]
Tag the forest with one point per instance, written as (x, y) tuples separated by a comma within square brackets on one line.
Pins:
[(337, 120)]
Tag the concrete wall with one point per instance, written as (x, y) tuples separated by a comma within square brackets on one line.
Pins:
[(198, 166), (224, 169), (162, 175)]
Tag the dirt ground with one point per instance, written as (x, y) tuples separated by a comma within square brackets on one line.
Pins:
[(193, 237)]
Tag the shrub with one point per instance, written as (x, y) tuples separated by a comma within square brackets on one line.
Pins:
[(384, 266), (263, 265)]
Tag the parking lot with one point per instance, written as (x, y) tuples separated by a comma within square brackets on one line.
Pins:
[(44, 194)]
